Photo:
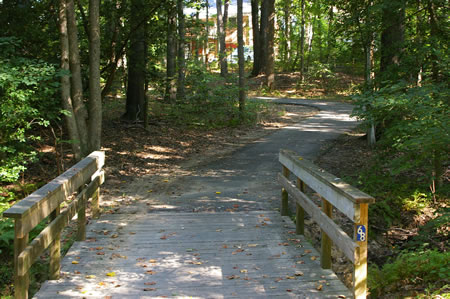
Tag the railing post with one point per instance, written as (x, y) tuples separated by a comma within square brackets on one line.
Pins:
[(360, 271), (21, 283), (55, 250), (95, 203), (300, 212), (285, 196), (325, 258), (81, 216)]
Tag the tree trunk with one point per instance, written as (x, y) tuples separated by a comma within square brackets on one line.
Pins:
[(221, 36), (263, 33), (256, 39), (181, 54), (392, 38), (331, 41), (434, 33), (287, 40), (95, 92), (171, 88), (65, 83), (79, 109), (241, 61), (207, 35), (136, 63), (302, 42), (313, 26), (270, 59)]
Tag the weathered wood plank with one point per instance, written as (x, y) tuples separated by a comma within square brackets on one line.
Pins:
[(339, 237), (51, 232), (38, 205), (342, 195), (326, 243), (360, 270), (263, 260)]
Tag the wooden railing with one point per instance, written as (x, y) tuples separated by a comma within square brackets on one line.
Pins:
[(85, 178), (334, 193)]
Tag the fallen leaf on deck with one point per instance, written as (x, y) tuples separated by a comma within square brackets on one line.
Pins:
[(76, 272), (218, 230), (114, 236), (218, 192), (150, 272), (224, 246), (99, 248), (132, 233), (149, 190), (100, 253), (150, 283), (111, 274), (300, 262), (266, 219), (90, 276), (149, 289), (101, 283), (290, 277), (319, 287), (152, 261), (233, 277), (299, 273), (308, 251), (289, 290), (313, 258), (163, 238), (244, 271), (235, 206), (252, 245), (75, 262)]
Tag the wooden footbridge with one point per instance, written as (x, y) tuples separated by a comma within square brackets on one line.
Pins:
[(259, 254)]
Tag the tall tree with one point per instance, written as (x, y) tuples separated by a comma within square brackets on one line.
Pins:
[(171, 89), (181, 51), (95, 92), (302, 41), (263, 34), (66, 97), (392, 38), (256, 38), (270, 59), (135, 102), (221, 36), (84, 124), (241, 61)]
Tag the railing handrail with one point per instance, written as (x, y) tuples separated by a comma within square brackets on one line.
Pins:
[(334, 193), (85, 177)]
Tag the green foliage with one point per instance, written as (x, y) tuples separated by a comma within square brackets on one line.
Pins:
[(415, 123), (27, 100), (428, 267), (211, 102)]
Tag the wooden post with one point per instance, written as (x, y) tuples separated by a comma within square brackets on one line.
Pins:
[(55, 250), (81, 233), (361, 234), (95, 203), (21, 283), (325, 256), (285, 196), (300, 212)]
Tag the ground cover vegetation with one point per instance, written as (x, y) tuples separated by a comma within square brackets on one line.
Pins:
[(76, 76)]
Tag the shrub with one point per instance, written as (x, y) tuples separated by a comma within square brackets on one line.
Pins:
[(27, 100)]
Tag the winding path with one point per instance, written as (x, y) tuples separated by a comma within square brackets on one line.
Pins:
[(241, 248)]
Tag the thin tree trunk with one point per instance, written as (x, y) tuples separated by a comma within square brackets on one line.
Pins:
[(287, 40), (207, 35), (310, 45), (263, 32), (181, 52), (171, 87), (221, 35), (256, 39), (270, 66), (197, 37), (434, 33), (330, 36), (302, 42), (79, 109), (241, 61), (65, 83), (95, 92)]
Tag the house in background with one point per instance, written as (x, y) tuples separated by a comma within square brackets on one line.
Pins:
[(196, 38)]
